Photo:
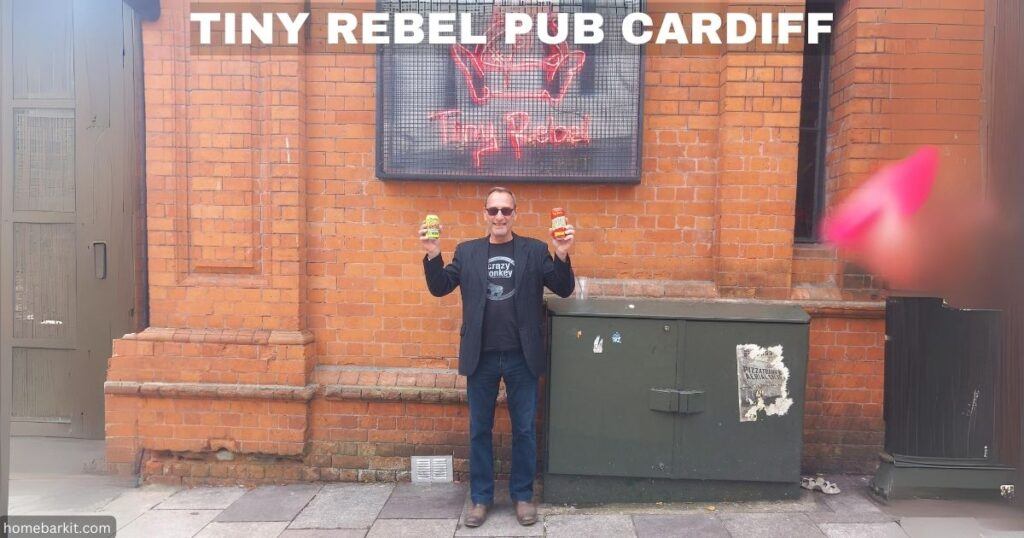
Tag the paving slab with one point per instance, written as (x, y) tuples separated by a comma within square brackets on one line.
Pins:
[(806, 502), (695, 525), (629, 509), (425, 501), (270, 503), (168, 524), (852, 517), (343, 506), (413, 528), (60, 495), (58, 456), (940, 527), (248, 529), (763, 525), (978, 508), (501, 520), (851, 501), (131, 504), (203, 498), (1015, 524), (849, 482), (609, 526), (323, 533), (862, 530)]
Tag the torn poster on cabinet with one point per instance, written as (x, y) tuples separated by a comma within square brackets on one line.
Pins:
[(762, 379)]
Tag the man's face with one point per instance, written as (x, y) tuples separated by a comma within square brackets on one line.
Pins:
[(499, 225)]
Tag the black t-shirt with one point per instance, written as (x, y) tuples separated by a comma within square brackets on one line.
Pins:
[(500, 330)]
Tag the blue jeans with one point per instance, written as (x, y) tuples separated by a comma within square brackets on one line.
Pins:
[(482, 389)]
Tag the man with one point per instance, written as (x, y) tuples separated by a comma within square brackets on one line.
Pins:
[(502, 278)]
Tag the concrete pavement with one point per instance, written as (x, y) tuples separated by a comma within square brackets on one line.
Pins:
[(395, 510)]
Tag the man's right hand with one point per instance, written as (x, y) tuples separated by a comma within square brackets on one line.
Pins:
[(432, 246)]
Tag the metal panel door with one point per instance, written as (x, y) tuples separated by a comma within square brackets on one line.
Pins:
[(64, 148), (603, 371), (714, 443), (940, 365)]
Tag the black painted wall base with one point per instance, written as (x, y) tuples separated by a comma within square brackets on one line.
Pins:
[(903, 477), (575, 489)]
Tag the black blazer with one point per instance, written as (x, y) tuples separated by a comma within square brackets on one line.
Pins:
[(535, 268)]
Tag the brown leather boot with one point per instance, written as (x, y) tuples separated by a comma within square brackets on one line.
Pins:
[(526, 512), (477, 515)]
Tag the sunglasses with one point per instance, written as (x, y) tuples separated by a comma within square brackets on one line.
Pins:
[(507, 211)]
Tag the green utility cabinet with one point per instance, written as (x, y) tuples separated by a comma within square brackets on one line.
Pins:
[(674, 401)]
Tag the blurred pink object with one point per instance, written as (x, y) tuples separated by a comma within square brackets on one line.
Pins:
[(893, 194), (882, 227), (926, 231)]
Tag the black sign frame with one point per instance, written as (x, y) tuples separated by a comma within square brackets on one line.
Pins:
[(471, 176)]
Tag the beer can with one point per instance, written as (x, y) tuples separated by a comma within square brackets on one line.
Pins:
[(433, 224), (558, 223)]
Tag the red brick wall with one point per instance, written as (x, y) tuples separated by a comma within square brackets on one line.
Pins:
[(904, 73), (843, 426), (290, 321)]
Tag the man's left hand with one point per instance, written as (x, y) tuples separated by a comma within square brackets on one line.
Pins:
[(563, 246)]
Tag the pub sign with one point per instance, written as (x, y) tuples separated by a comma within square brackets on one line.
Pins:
[(521, 111)]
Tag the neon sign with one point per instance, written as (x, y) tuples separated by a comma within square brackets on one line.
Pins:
[(530, 109), (558, 68), (520, 133), (560, 65), (482, 138)]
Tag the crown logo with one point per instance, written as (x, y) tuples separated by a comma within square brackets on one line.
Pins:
[(489, 70), (559, 65)]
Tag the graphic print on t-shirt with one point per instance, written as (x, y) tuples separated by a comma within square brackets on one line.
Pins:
[(499, 278)]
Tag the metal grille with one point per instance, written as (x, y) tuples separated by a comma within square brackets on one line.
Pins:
[(42, 385), (432, 469), (44, 160), (44, 280), (528, 111)]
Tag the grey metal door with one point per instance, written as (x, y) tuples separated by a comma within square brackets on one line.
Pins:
[(715, 443), (601, 422), (68, 202)]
